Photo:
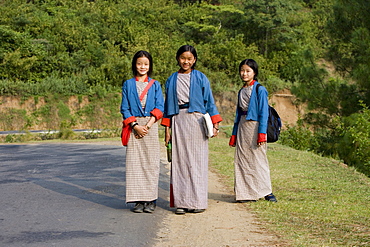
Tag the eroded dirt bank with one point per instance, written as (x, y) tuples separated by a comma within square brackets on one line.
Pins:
[(20, 114)]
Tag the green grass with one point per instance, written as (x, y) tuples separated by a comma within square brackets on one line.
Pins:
[(322, 202), (60, 136)]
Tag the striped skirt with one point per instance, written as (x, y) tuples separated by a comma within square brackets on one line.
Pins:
[(189, 168), (142, 165), (252, 172)]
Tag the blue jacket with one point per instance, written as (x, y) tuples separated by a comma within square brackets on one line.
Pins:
[(257, 110), (200, 98), (131, 106)]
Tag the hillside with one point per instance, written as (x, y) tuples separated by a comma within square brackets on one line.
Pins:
[(55, 51)]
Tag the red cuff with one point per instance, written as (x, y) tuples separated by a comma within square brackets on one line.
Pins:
[(216, 118), (262, 137), (166, 122), (232, 141), (128, 120), (158, 114)]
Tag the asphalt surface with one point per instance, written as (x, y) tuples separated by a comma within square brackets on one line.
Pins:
[(71, 195)]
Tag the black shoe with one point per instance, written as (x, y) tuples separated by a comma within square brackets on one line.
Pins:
[(139, 207), (149, 207), (196, 211), (245, 201), (180, 211), (271, 198)]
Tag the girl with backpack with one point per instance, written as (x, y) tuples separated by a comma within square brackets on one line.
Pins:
[(252, 172)]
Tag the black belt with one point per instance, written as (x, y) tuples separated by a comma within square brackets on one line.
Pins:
[(184, 106)]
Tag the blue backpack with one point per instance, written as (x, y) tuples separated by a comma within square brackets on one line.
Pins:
[(273, 123)]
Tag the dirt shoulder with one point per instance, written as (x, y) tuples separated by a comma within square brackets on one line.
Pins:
[(224, 223)]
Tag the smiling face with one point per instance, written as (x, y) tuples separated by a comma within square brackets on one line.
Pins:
[(246, 74), (186, 61), (142, 66)]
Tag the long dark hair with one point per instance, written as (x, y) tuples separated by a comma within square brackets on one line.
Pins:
[(252, 64), (186, 48), (142, 54)]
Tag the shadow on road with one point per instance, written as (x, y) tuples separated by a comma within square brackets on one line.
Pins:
[(60, 192)]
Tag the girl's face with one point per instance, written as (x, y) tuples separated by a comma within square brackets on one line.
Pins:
[(142, 66), (247, 74), (186, 61)]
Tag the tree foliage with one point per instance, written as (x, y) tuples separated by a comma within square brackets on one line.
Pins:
[(350, 36), (354, 147), (318, 48), (94, 40)]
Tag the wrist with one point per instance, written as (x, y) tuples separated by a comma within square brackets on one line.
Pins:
[(134, 124)]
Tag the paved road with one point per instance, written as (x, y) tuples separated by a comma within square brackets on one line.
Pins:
[(71, 195)]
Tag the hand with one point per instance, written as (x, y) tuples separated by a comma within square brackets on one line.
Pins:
[(167, 136), (141, 131), (215, 132), (260, 143), (215, 129)]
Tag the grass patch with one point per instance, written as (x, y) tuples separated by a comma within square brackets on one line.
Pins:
[(322, 202), (63, 134)]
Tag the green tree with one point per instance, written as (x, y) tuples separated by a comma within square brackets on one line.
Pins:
[(350, 37)]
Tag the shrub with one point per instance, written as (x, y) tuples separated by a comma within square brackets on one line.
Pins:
[(298, 137), (354, 147)]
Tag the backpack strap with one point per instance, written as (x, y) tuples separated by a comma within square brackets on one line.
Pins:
[(146, 89), (258, 85)]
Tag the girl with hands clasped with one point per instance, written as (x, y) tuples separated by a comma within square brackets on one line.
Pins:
[(142, 106), (252, 172), (188, 98)]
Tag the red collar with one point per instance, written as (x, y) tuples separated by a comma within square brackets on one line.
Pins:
[(251, 84), (146, 79)]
